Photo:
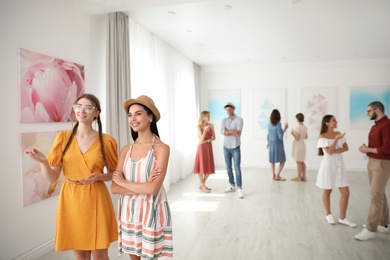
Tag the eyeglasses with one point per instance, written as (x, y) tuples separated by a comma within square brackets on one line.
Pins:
[(369, 110), (88, 109)]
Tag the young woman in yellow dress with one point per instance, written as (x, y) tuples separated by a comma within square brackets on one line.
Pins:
[(85, 215)]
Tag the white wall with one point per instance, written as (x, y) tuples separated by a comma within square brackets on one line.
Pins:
[(340, 75), (57, 29)]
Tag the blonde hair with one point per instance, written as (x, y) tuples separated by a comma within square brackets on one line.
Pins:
[(202, 116)]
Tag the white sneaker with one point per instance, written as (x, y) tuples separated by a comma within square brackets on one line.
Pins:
[(347, 222), (230, 189), (240, 194), (365, 235), (381, 229), (330, 219)]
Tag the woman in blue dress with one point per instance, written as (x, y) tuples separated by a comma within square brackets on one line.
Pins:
[(275, 144)]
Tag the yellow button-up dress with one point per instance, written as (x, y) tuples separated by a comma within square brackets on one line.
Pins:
[(85, 214)]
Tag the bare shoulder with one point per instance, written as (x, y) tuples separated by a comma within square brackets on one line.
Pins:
[(125, 148), (160, 146)]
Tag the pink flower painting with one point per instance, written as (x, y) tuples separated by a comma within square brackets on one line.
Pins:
[(35, 188), (47, 87)]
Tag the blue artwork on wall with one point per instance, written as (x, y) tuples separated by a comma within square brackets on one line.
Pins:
[(359, 98), (217, 101), (264, 101)]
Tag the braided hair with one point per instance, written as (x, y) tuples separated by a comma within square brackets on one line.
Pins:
[(96, 103)]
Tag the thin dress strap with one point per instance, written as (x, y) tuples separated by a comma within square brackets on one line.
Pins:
[(153, 142), (131, 148)]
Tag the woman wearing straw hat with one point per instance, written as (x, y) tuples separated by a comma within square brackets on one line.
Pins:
[(144, 217)]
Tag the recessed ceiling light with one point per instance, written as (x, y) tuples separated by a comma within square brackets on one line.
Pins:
[(294, 1), (227, 7), (171, 13)]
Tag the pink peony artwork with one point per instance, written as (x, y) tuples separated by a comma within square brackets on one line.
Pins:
[(34, 187), (47, 87)]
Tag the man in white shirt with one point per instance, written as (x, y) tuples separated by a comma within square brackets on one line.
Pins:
[(231, 128)]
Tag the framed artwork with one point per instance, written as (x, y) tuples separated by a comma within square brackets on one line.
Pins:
[(48, 87), (315, 104), (359, 98), (34, 187), (217, 101), (263, 102)]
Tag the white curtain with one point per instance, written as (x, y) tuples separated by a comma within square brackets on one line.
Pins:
[(169, 78)]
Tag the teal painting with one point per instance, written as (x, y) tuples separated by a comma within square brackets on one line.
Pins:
[(359, 98)]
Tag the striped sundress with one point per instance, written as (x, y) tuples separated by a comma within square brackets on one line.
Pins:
[(144, 221)]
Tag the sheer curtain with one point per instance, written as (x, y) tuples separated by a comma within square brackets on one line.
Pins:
[(169, 78)]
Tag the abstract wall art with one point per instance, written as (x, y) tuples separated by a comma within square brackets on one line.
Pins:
[(217, 101), (48, 87), (34, 187), (263, 102), (315, 104), (359, 98)]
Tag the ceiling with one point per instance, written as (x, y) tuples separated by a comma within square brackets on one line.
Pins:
[(236, 32)]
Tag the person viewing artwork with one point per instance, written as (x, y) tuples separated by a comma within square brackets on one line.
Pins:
[(299, 147), (85, 220), (378, 153), (144, 216), (231, 128), (275, 144), (331, 174), (204, 159)]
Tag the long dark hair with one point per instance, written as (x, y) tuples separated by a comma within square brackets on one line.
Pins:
[(274, 117), (96, 103), (324, 129), (153, 124)]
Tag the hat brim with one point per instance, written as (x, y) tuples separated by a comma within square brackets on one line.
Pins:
[(132, 101)]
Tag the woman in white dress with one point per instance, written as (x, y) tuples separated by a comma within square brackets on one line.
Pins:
[(299, 147), (332, 174)]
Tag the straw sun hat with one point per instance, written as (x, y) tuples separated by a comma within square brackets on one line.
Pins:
[(143, 100)]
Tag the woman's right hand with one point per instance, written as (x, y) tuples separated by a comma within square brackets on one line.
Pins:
[(37, 155), (154, 175)]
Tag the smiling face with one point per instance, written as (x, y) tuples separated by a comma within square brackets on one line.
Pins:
[(85, 110), (332, 123), (138, 118)]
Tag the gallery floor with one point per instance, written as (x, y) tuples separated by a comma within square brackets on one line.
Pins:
[(276, 220)]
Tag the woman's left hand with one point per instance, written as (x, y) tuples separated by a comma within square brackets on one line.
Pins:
[(155, 173), (94, 177)]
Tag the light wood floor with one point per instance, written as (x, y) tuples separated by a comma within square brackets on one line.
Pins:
[(275, 220)]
